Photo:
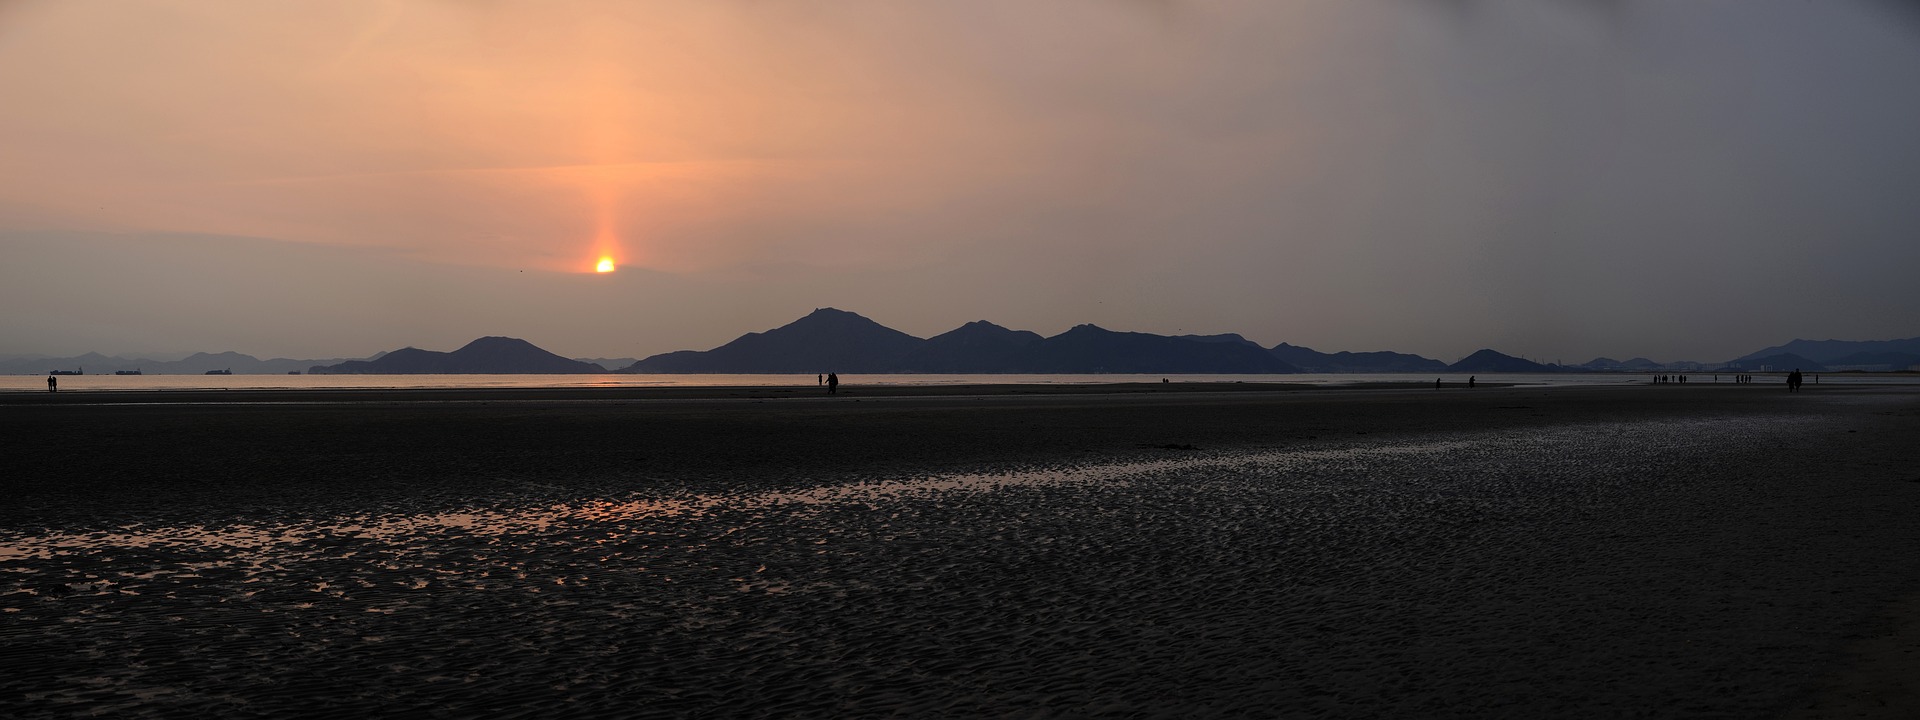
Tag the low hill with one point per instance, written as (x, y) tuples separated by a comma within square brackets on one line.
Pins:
[(827, 340), (1829, 351), (1093, 349), (487, 355), (1380, 361), (1488, 361)]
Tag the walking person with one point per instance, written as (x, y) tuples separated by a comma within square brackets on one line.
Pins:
[(833, 383), (53, 383)]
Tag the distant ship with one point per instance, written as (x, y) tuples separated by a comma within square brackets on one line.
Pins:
[(135, 371), (81, 371), (293, 372), (228, 371)]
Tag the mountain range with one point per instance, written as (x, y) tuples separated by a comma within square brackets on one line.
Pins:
[(831, 340)]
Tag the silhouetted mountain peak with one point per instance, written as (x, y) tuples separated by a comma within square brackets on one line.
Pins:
[(1234, 338), (978, 346), (495, 343), (981, 329), (831, 317), (829, 323), (1488, 360), (827, 339)]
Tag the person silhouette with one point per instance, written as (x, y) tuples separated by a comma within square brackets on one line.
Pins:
[(53, 384), (1470, 379), (1436, 383), (833, 383)]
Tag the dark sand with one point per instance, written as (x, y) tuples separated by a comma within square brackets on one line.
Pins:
[(1222, 550)]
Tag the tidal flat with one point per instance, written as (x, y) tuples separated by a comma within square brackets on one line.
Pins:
[(1139, 551)]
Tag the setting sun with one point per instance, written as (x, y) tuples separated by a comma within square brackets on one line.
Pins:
[(605, 266)]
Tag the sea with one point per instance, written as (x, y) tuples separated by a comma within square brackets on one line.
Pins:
[(38, 383)]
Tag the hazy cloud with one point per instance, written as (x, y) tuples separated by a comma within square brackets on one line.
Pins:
[(1559, 179)]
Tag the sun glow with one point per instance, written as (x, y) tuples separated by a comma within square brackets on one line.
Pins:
[(605, 266)]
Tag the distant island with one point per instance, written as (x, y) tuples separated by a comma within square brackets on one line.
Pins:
[(485, 356), (832, 340)]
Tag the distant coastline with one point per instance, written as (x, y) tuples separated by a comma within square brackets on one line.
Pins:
[(616, 386), (832, 340)]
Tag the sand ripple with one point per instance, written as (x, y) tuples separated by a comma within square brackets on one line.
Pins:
[(1644, 569)]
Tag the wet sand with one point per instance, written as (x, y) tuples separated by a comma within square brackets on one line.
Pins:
[(1133, 551)]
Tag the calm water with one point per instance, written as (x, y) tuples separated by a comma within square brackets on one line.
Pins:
[(38, 383)]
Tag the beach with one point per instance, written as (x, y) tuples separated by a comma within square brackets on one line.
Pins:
[(1209, 550)]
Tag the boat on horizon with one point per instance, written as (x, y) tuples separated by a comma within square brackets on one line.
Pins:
[(81, 371), (228, 371), (135, 371)]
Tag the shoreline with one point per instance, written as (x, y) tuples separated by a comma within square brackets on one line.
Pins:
[(702, 392), (796, 392), (13, 386)]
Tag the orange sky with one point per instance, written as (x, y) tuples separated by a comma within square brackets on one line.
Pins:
[(1422, 175), (539, 135)]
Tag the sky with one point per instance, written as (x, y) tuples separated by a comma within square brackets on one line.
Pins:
[(1555, 179)]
